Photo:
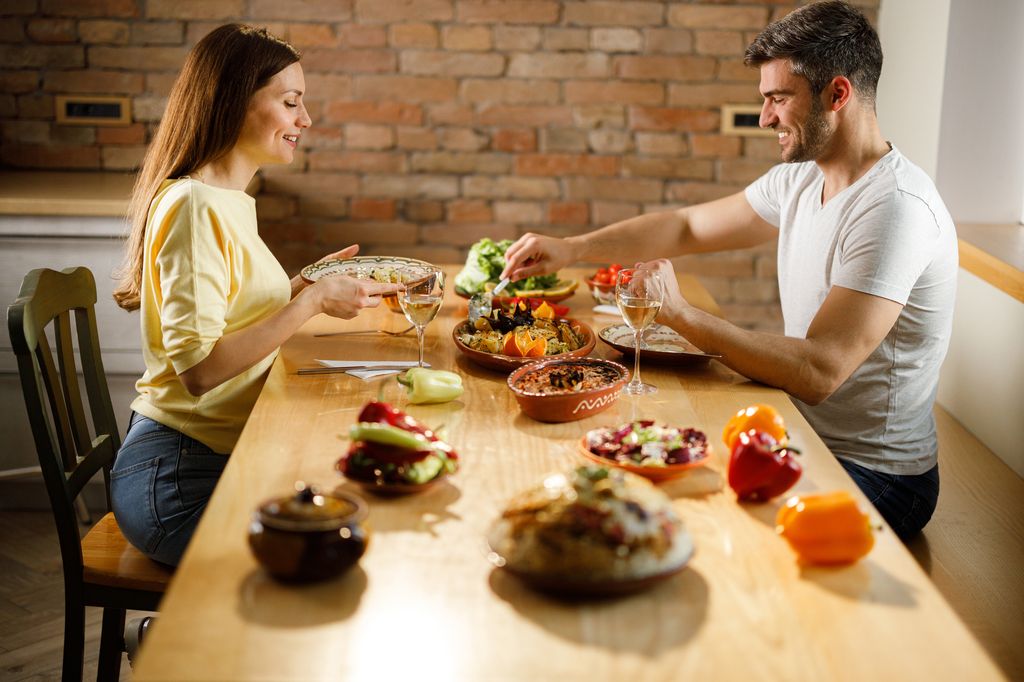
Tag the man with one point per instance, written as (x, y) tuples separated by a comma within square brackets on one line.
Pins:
[(867, 261)]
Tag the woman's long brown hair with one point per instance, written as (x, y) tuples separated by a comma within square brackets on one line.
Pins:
[(204, 118)]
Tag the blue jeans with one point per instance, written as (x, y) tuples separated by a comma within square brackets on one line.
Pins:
[(159, 487), (905, 502)]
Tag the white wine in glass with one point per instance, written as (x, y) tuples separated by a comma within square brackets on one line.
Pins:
[(424, 290), (639, 293)]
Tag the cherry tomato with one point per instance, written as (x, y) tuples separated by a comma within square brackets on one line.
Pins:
[(614, 268), (603, 278)]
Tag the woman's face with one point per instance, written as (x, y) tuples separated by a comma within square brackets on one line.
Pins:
[(275, 119)]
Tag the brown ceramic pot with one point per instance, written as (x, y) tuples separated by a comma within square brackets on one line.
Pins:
[(569, 405)]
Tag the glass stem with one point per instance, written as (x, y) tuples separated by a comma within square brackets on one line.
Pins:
[(638, 334), (419, 338)]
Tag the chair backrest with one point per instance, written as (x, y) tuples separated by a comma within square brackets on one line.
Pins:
[(70, 449)]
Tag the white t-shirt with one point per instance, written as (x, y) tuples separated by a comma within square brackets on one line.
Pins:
[(890, 235)]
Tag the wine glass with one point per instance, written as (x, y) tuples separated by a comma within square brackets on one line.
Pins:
[(639, 293), (424, 289)]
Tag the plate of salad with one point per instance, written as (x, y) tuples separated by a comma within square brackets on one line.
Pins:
[(656, 452), (482, 272)]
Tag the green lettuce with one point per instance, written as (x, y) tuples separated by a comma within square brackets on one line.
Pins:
[(484, 264)]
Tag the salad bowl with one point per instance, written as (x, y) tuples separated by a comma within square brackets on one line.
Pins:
[(508, 363), (660, 466)]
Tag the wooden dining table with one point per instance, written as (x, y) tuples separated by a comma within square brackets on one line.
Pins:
[(425, 603)]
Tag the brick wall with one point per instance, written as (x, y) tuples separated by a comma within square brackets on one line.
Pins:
[(435, 122)]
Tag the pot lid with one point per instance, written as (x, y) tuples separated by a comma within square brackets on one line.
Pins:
[(311, 510)]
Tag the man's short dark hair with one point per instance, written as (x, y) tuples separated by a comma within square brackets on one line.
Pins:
[(823, 40)]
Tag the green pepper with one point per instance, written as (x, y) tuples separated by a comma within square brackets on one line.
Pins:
[(386, 434), (431, 385)]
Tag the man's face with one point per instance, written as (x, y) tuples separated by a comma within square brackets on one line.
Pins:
[(794, 112)]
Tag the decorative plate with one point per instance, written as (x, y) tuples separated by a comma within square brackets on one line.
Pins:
[(380, 268), (660, 343), (507, 363)]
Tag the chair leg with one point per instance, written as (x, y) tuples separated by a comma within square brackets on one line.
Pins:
[(111, 646), (74, 640), (82, 511)]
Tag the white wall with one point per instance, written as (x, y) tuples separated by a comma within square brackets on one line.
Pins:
[(980, 172), (910, 90)]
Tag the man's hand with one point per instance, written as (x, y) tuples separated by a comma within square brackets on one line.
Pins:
[(535, 254), (674, 303)]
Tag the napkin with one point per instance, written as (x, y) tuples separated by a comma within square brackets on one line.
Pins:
[(367, 374), (607, 310)]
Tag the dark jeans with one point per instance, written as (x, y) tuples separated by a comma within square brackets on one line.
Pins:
[(159, 487), (905, 502)]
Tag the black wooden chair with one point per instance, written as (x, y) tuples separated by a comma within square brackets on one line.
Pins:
[(100, 569)]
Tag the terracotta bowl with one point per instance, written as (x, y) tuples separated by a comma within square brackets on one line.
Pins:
[(309, 536), (507, 363), (568, 406)]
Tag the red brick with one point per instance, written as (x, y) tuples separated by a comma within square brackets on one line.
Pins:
[(510, 187), (699, 192), (591, 92), (158, 33), (658, 118), (518, 212), (692, 169), (736, 70), (609, 141), (715, 146), (509, 91), (616, 40), (661, 144), (664, 68), (323, 206), (515, 140), (372, 209), (195, 9), (557, 65), (435, 254), (469, 211), (563, 140), (72, 135), (599, 116), (133, 134), (40, 156), (450, 113), (453, 162), (608, 212), (327, 86), (94, 82), (357, 161), (405, 88), (155, 58), (565, 164), (416, 138), (441, 63), (622, 189), (357, 35), (463, 139), (274, 207), (516, 37), (508, 11), (327, 59), (42, 56), (373, 112), (148, 109), (568, 213), (712, 94), (27, 132), (719, 43), (420, 211), (668, 40), (410, 186), (612, 13), (308, 184), (300, 10), (369, 136), (20, 7), (566, 39), (395, 11), (766, 148), (726, 264), (741, 170), (524, 115), (52, 31), (18, 82), (466, 38), (35, 106), (466, 233), (312, 35), (412, 35), (123, 157), (701, 16), (385, 233), (12, 31), (90, 8)]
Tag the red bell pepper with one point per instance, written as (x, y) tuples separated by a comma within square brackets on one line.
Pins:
[(376, 411), (760, 468)]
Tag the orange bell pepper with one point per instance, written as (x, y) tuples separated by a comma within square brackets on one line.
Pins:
[(763, 418), (825, 528)]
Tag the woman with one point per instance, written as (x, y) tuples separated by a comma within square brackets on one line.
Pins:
[(215, 303)]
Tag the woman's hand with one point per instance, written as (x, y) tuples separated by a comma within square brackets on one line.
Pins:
[(343, 296), (535, 254), (298, 284)]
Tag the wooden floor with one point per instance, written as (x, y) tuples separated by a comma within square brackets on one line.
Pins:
[(32, 602), (973, 550)]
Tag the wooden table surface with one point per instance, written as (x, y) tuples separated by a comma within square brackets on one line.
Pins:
[(425, 604)]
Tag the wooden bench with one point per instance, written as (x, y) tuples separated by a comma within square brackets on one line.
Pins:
[(973, 548)]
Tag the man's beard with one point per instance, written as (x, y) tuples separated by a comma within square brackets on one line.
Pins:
[(813, 136)]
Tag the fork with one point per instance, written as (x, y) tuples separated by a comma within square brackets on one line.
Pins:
[(368, 331)]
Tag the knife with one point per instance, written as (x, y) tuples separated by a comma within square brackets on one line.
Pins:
[(335, 370)]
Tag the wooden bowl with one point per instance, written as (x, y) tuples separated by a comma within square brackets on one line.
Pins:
[(567, 406), (653, 474), (508, 363)]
